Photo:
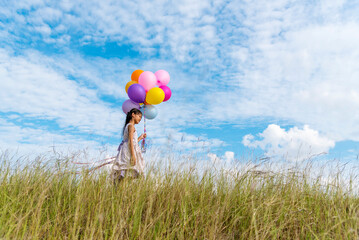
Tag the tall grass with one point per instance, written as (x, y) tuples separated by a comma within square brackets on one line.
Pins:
[(48, 201)]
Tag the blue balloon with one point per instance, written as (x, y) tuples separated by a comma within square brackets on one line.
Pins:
[(150, 112)]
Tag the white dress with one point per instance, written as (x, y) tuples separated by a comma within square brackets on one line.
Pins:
[(123, 158)]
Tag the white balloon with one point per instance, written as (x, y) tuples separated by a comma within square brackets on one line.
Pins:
[(149, 111)]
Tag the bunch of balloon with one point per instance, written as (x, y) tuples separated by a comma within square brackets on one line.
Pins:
[(145, 90)]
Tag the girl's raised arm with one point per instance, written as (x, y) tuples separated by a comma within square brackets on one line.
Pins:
[(131, 130)]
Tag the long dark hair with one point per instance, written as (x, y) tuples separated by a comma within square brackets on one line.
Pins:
[(129, 117)]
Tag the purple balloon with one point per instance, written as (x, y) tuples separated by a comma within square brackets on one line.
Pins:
[(167, 91), (137, 93), (128, 105)]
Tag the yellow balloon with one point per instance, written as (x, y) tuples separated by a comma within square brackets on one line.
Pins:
[(129, 84), (155, 96)]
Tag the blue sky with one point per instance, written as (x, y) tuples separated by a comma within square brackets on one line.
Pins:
[(275, 78)]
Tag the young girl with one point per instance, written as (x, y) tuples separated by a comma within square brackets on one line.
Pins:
[(129, 160)]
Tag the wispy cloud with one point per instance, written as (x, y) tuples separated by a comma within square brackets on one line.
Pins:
[(177, 28), (38, 140), (298, 64), (37, 86), (37, 90), (230, 62)]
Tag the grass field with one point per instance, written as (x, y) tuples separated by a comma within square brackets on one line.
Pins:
[(44, 199)]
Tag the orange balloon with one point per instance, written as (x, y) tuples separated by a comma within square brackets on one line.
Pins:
[(129, 84), (136, 74)]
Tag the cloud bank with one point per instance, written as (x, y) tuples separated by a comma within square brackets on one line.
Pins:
[(294, 145)]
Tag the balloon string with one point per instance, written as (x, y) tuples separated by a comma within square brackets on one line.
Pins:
[(144, 124)]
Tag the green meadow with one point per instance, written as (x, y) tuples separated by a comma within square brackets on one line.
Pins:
[(45, 199)]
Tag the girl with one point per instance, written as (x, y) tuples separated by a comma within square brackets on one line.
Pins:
[(129, 160)]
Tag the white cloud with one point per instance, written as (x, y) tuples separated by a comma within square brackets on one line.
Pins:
[(298, 65), (294, 61), (179, 141), (37, 86), (37, 90), (221, 162), (185, 31), (32, 141), (294, 144), (229, 156), (213, 157), (44, 29)]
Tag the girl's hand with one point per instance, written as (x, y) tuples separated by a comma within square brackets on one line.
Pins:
[(133, 161), (143, 136)]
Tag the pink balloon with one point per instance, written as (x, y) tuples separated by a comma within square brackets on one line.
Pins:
[(148, 80), (163, 77), (167, 91)]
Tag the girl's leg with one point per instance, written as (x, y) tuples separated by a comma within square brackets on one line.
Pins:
[(118, 176), (135, 174)]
